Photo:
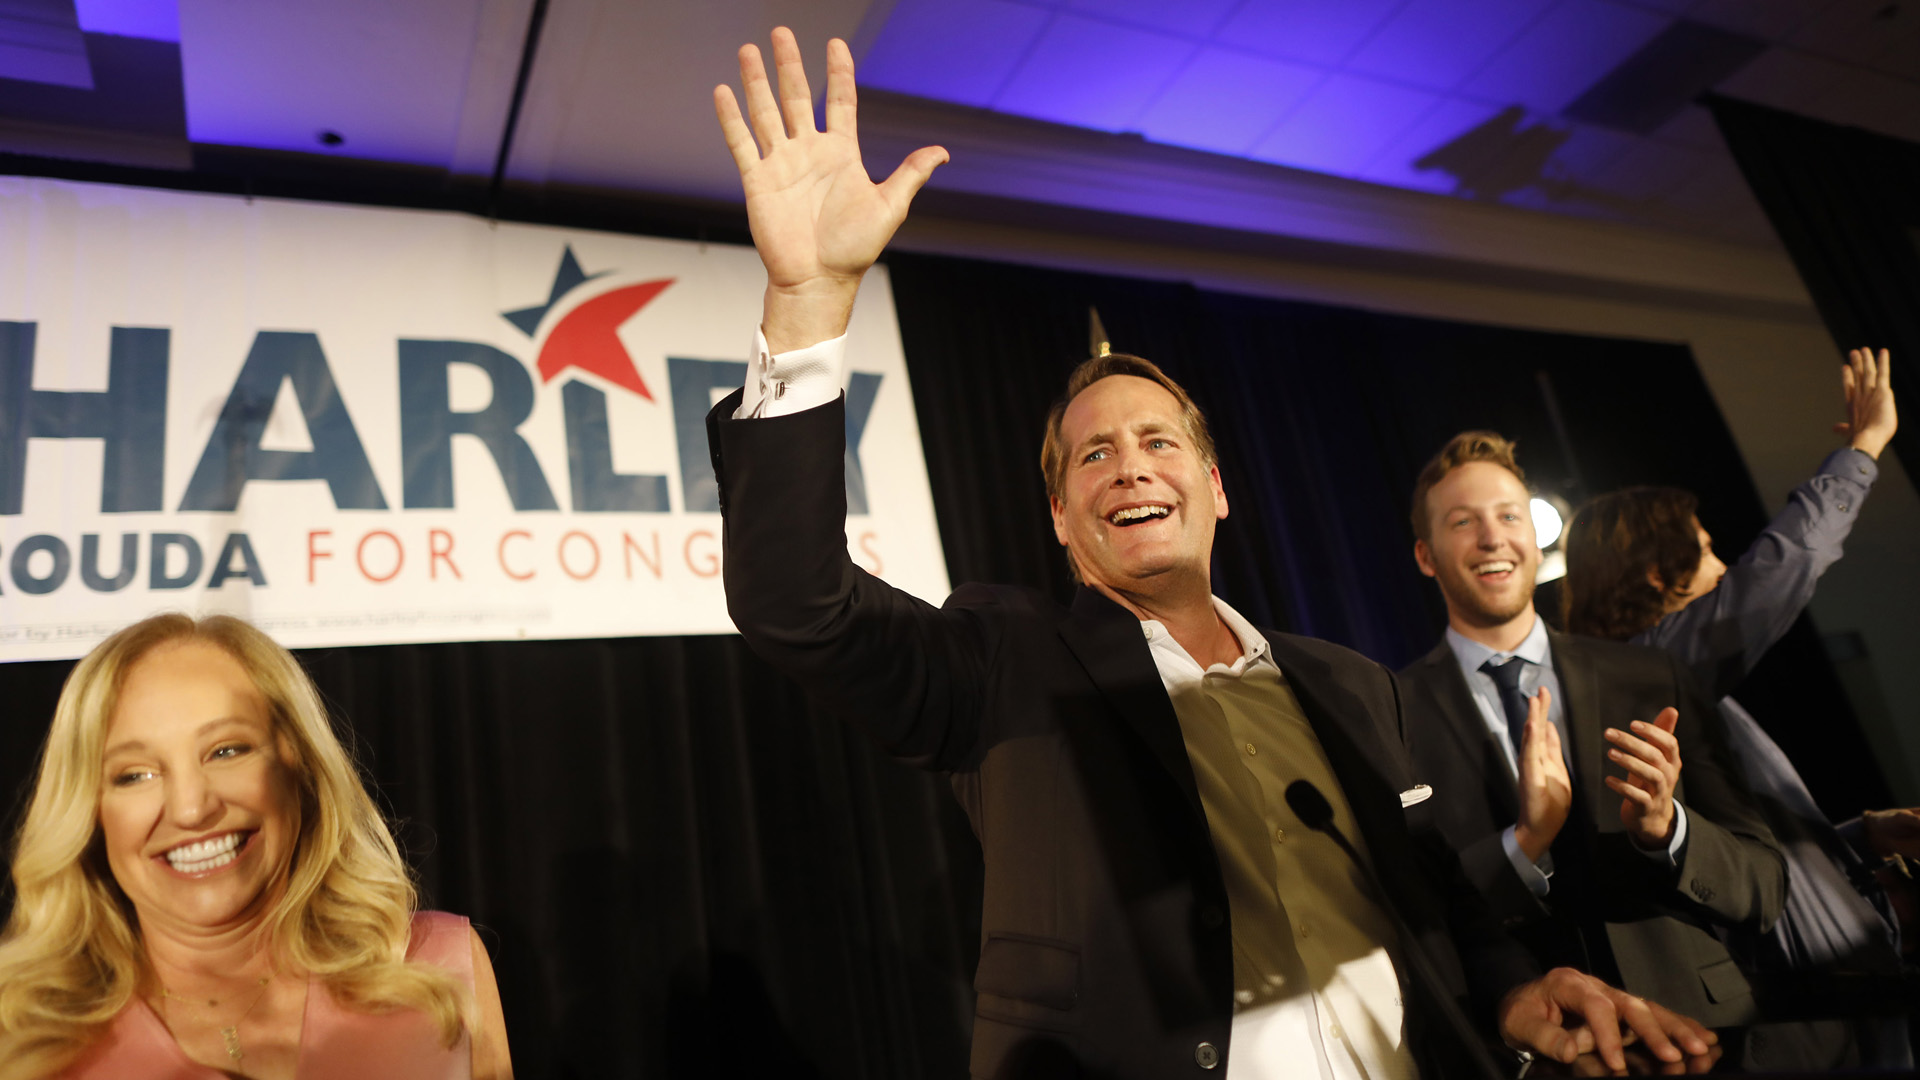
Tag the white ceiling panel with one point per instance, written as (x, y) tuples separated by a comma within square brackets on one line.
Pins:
[(1401, 162), (1784, 79), (623, 90), (391, 78), (1563, 52), (1312, 31), (1692, 126), (1872, 100), (1344, 124), (1092, 73), (1192, 18), (1438, 44), (1859, 31), (1649, 170), (1772, 20), (962, 51), (1225, 100)]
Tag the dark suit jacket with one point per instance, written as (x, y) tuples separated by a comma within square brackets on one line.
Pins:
[(1611, 909), (1106, 944)]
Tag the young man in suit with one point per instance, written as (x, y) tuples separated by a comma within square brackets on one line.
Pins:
[(1152, 906), (1556, 763)]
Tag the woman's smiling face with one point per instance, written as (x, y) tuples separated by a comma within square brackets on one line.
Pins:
[(199, 807)]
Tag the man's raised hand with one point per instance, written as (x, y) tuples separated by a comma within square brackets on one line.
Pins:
[(1651, 757), (818, 220), (1871, 419), (1546, 792)]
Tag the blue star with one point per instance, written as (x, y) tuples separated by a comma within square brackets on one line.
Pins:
[(568, 278)]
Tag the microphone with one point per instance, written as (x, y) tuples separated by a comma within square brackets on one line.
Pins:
[(1313, 810)]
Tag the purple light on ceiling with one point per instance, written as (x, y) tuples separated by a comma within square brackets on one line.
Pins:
[(1093, 74), (1438, 43), (947, 51), (1315, 31), (1565, 52), (40, 41), (1224, 101), (157, 20), (1396, 164), (1344, 124), (1196, 18)]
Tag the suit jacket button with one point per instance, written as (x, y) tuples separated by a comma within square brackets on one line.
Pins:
[(1206, 1055), (1211, 919)]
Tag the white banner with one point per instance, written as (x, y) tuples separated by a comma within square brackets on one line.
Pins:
[(357, 426)]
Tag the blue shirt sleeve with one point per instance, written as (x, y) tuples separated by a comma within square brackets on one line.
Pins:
[(1724, 633)]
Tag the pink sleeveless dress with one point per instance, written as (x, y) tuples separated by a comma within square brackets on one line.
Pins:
[(335, 1044)]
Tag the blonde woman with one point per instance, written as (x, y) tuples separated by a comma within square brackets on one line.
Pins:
[(203, 887)]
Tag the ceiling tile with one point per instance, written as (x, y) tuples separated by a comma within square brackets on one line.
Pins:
[(156, 20), (1588, 151), (1092, 74), (953, 50), (1315, 31), (1694, 127), (1439, 150), (1343, 124), (1874, 101), (1198, 18), (1226, 100), (1901, 56), (1856, 30), (389, 77), (1784, 79), (1567, 50), (1770, 19), (1650, 170), (1439, 43)]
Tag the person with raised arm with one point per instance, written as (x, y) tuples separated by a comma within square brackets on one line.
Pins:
[(1154, 904)]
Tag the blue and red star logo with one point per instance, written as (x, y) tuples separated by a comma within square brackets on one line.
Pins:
[(588, 337)]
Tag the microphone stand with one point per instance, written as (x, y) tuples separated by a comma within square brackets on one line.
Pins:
[(1313, 810)]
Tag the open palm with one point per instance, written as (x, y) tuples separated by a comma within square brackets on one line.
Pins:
[(818, 220)]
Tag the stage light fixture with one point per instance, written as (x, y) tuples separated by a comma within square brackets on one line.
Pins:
[(1547, 523)]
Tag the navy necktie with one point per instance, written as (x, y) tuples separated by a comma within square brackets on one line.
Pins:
[(1507, 678)]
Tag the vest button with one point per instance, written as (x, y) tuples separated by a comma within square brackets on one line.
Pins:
[(1206, 1055)]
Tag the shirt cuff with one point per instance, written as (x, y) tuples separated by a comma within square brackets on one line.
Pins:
[(1853, 464), (1534, 875), (792, 381), (1670, 854)]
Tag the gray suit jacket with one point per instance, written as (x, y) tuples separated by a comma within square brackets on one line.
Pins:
[(1611, 910)]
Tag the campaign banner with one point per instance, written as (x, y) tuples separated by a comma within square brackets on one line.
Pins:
[(359, 426)]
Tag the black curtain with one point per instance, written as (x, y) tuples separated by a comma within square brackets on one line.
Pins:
[(683, 869), (1846, 204)]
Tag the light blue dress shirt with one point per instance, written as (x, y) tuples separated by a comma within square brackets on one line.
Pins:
[(1470, 655)]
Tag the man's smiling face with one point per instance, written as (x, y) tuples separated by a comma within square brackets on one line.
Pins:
[(1138, 504), (1482, 547)]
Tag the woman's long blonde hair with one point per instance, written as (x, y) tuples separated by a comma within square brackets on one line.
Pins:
[(71, 957)]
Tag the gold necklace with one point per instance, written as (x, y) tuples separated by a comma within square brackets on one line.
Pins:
[(229, 1035)]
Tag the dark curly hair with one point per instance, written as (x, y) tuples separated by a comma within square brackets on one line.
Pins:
[(1613, 542)]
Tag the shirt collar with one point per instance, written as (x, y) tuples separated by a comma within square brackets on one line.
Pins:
[(1471, 654), (1253, 644)]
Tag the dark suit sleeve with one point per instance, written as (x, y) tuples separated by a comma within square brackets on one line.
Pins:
[(1731, 864), (1491, 872), (907, 672), (1494, 962)]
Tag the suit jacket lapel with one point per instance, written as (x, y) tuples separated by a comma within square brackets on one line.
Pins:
[(1351, 740), (1450, 697), (1585, 721), (1107, 640)]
